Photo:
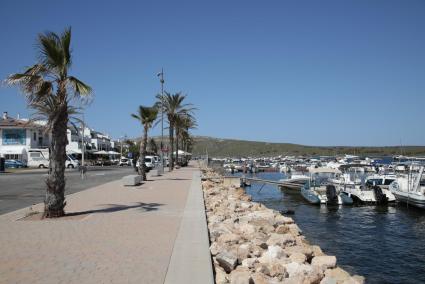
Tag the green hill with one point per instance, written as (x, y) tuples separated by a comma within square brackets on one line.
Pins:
[(229, 147)]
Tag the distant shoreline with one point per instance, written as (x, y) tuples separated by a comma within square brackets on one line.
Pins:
[(232, 147)]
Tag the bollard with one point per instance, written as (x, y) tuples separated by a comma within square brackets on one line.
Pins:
[(2, 166)]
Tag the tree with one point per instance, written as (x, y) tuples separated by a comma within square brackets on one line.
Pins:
[(173, 106), (50, 90), (183, 123), (147, 117), (153, 147)]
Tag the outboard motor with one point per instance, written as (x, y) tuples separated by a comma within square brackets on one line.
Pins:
[(331, 194), (380, 197)]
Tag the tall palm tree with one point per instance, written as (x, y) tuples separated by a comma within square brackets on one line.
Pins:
[(173, 106), (147, 117), (50, 90), (183, 123)]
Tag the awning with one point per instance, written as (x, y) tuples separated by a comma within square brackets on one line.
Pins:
[(101, 153), (113, 153)]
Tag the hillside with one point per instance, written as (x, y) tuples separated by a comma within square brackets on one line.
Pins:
[(230, 147)]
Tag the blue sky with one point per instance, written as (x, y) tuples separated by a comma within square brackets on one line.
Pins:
[(308, 72)]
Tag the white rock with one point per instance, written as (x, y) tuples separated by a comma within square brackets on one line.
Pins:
[(281, 240), (240, 276), (328, 280), (249, 262), (298, 257), (272, 253), (324, 261)]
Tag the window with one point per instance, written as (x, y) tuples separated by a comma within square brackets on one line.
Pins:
[(12, 156), (14, 136), (35, 154), (35, 136)]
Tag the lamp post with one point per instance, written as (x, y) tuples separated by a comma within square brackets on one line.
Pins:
[(83, 149), (161, 80)]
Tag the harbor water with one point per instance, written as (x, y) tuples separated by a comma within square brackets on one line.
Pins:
[(386, 244)]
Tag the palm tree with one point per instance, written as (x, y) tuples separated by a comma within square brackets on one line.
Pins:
[(183, 123), (153, 147), (50, 90), (173, 106), (147, 117)]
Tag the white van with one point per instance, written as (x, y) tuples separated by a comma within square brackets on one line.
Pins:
[(39, 158)]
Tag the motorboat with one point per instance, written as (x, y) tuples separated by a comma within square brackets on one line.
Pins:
[(381, 180), (410, 189), (360, 191), (324, 194), (294, 182)]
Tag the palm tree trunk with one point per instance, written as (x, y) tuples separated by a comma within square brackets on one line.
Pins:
[(54, 202), (143, 145), (171, 166), (177, 145)]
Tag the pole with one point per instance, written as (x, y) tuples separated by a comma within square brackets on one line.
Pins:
[(121, 147), (83, 150), (162, 119)]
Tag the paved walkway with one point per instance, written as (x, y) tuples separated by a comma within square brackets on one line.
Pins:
[(119, 235)]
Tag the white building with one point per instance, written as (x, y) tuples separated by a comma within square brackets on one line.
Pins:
[(17, 136)]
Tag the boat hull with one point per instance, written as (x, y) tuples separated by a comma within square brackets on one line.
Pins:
[(404, 198)]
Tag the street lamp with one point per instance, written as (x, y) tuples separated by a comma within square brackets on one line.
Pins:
[(161, 80)]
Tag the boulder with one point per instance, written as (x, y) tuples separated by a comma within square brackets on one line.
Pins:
[(294, 229), (227, 261), (220, 276), (243, 252), (216, 248), (272, 253), (338, 274), (317, 251), (240, 276), (280, 240), (246, 229), (259, 278), (296, 269), (298, 257), (282, 220), (249, 262), (276, 269), (328, 280), (324, 261), (358, 278), (306, 250), (282, 229), (228, 238)]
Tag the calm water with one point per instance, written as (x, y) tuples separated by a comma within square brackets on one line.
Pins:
[(386, 244)]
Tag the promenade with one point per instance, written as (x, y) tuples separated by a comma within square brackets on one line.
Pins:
[(152, 233)]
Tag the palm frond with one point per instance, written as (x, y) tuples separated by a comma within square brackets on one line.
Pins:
[(66, 43), (51, 52), (79, 88)]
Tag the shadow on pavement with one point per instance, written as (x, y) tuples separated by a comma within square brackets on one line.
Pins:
[(145, 207)]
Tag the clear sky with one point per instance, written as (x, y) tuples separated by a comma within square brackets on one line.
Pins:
[(308, 72)]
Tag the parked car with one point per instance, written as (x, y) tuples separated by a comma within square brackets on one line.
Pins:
[(124, 162), (14, 164), (71, 163)]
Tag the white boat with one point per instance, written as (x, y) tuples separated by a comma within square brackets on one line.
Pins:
[(381, 180), (324, 194), (295, 181), (361, 192), (410, 189)]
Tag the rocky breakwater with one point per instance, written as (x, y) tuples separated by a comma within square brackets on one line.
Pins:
[(251, 243)]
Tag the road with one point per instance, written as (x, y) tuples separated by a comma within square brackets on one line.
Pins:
[(19, 190)]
